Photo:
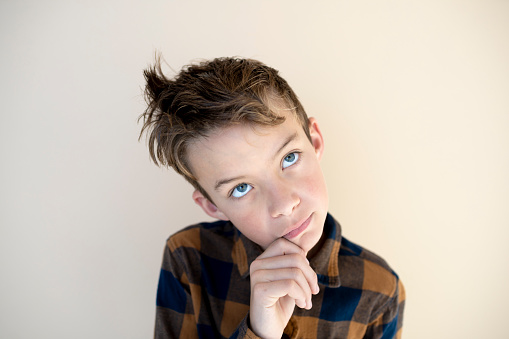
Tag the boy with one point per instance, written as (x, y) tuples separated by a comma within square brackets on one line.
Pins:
[(275, 263)]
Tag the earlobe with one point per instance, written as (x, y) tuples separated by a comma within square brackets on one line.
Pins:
[(207, 206), (316, 137)]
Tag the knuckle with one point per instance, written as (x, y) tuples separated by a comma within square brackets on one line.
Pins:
[(258, 290), (295, 273), (285, 245), (292, 284), (255, 266), (255, 276), (280, 243), (300, 260), (304, 260)]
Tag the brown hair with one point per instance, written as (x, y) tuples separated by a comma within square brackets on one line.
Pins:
[(205, 97)]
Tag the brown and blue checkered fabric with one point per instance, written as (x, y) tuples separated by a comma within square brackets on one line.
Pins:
[(204, 288)]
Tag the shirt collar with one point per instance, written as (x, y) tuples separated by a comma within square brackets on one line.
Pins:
[(324, 262)]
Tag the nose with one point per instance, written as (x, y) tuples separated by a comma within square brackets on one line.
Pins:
[(282, 199)]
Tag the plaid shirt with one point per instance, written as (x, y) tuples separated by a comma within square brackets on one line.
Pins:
[(204, 288)]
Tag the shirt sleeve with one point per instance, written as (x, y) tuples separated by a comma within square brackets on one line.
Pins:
[(243, 331), (174, 306), (388, 323), (177, 299)]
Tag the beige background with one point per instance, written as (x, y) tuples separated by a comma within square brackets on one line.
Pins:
[(412, 96)]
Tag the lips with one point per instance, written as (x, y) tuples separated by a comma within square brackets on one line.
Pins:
[(298, 230)]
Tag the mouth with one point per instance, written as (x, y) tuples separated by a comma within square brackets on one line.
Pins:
[(298, 230)]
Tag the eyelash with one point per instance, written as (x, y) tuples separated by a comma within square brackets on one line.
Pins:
[(297, 154)]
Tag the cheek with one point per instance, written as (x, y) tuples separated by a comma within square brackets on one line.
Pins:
[(314, 183), (252, 224)]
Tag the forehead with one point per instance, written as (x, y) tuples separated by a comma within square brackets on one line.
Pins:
[(239, 149)]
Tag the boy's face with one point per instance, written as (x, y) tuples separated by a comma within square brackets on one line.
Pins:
[(266, 180)]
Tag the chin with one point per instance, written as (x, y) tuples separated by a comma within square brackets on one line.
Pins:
[(308, 241), (311, 239)]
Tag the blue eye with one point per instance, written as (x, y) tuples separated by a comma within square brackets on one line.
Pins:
[(290, 159), (241, 190)]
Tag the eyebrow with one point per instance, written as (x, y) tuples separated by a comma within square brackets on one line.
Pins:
[(222, 182), (226, 181), (287, 141)]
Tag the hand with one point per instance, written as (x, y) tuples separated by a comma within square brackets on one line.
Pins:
[(280, 279)]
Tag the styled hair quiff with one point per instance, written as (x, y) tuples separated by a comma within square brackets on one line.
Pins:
[(208, 96)]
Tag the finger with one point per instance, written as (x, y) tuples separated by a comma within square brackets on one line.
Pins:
[(288, 261), (295, 274), (282, 246), (269, 293)]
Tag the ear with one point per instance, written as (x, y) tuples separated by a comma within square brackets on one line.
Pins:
[(316, 137), (207, 206)]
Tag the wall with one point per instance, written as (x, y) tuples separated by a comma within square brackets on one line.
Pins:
[(412, 97)]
